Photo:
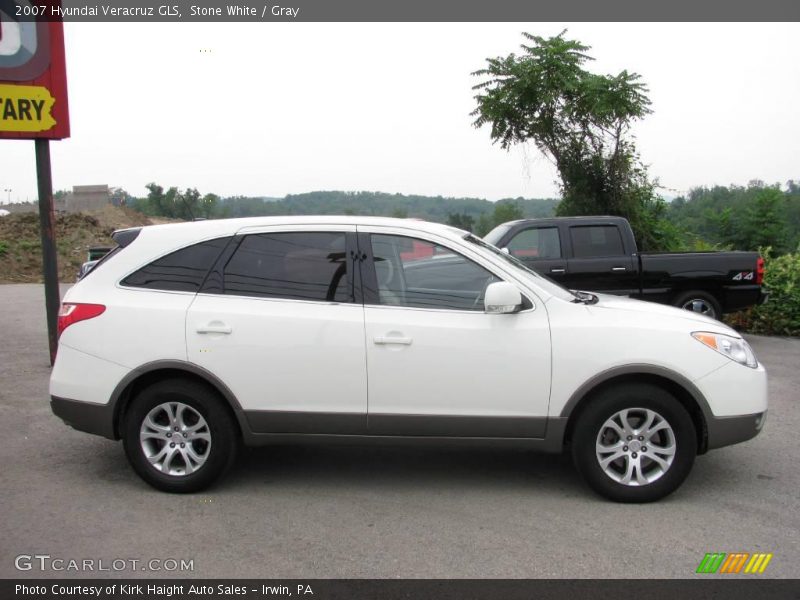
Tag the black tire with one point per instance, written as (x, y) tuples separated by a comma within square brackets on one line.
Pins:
[(641, 396), (218, 453), (703, 302)]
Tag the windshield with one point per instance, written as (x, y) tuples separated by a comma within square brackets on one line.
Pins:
[(548, 284)]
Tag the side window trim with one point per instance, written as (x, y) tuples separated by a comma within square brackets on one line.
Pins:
[(213, 283), (366, 268)]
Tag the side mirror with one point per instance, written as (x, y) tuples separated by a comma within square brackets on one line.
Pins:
[(505, 249), (502, 298)]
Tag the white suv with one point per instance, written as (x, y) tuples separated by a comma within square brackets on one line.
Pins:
[(188, 339)]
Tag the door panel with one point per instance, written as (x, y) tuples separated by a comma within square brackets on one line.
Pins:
[(295, 364), (452, 370), (599, 262), (458, 365)]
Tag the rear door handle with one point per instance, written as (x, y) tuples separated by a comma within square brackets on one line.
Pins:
[(619, 269), (214, 328), (383, 340), (558, 270)]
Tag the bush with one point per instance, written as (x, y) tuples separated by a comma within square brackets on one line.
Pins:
[(781, 314), (3, 247)]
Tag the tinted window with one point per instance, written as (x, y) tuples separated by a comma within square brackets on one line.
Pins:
[(540, 242), (419, 274), (594, 241), (300, 266), (183, 270)]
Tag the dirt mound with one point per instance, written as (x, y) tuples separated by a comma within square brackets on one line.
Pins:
[(21, 249)]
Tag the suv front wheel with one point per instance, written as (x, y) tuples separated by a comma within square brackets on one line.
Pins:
[(178, 436), (634, 443)]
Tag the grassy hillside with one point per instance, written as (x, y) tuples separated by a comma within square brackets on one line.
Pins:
[(21, 249)]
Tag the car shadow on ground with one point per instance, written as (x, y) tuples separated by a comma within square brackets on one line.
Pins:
[(410, 469), (401, 467)]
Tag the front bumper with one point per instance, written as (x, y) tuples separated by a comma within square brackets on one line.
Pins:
[(85, 416), (725, 431)]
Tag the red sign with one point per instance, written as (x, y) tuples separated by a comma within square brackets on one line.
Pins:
[(33, 76)]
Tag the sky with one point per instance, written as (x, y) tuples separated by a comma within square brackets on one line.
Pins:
[(270, 109)]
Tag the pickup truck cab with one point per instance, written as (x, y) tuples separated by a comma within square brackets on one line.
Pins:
[(600, 254)]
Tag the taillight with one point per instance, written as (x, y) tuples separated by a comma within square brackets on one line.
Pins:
[(760, 270), (72, 312)]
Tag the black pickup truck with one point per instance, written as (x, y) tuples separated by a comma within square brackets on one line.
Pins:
[(599, 254)]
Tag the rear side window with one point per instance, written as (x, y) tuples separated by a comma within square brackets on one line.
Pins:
[(298, 266), (538, 242), (180, 271), (596, 241)]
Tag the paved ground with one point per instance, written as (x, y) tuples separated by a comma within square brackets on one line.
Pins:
[(380, 512)]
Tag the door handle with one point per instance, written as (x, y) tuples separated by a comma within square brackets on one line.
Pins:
[(558, 270), (618, 269), (383, 340), (214, 328)]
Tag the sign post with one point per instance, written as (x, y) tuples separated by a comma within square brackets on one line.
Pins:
[(47, 225), (33, 105)]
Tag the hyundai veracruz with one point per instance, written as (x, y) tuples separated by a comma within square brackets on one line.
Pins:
[(189, 339)]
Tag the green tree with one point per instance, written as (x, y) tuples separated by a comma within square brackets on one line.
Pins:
[(188, 204), (506, 211), (579, 120), (765, 222), (739, 217), (209, 206), (484, 225), (461, 221), (160, 203)]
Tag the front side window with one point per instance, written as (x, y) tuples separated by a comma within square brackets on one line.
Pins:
[(183, 270), (420, 274), (596, 241), (293, 265), (537, 242)]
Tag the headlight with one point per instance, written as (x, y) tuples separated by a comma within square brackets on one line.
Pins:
[(734, 348)]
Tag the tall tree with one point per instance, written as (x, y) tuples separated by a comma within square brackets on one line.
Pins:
[(764, 222), (579, 120)]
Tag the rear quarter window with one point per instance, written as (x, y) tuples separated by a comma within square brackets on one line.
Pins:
[(181, 271)]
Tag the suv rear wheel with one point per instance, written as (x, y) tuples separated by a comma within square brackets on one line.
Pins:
[(634, 443), (178, 436)]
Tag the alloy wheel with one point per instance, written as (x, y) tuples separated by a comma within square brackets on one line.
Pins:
[(175, 439), (635, 446)]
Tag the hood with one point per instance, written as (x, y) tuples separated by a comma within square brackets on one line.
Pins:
[(611, 302)]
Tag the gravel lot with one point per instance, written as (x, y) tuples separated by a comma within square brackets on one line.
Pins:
[(349, 511)]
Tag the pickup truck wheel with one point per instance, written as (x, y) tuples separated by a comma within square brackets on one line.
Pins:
[(634, 443), (699, 302), (178, 436)]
